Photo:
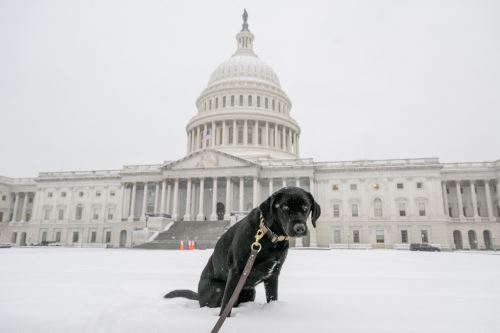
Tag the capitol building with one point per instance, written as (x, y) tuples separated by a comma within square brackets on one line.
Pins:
[(241, 146)]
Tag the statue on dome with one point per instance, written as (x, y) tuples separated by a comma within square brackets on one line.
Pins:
[(245, 18)]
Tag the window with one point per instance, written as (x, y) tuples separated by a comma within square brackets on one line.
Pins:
[(249, 100), (450, 212), (336, 236), (80, 194), (112, 193), (266, 103), (376, 186), (79, 213), (404, 236), (336, 210), (420, 185), (354, 210), (60, 214), (224, 101), (93, 236), (461, 190), (95, 214), (63, 194), (44, 236), (75, 236), (465, 211), (402, 209), (49, 194), (210, 105), (30, 199), (1, 216), (421, 209), (240, 135), (273, 105), (355, 236), (258, 101), (354, 187), (241, 100), (108, 236), (150, 208), (447, 191), (279, 106), (46, 214), (111, 212), (377, 205), (4, 197), (232, 100), (399, 186), (58, 236), (97, 193), (379, 234), (424, 235), (216, 102), (335, 187), (28, 216)]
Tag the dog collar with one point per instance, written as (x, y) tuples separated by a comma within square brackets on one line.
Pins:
[(269, 233)]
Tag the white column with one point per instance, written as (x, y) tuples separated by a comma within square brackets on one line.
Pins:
[(235, 138), (174, 204), (266, 144), (445, 198), (119, 210), (224, 134), (14, 211), (256, 133), (201, 215), (488, 199), (34, 209), (169, 195), (289, 140), (228, 198), (297, 144), (25, 205), (271, 183), (313, 240), (187, 213), (204, 142), (255, 190), (459, 197), (162, 199), (144, 200), (188, 141), (197, 138), (157, 193), (213, 134), (242, 186), (276, 135), (132, 204), (245, 133), (283, 138), (213, 216), (474, 199)]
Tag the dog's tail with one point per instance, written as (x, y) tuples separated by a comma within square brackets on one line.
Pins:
[(189, 294)]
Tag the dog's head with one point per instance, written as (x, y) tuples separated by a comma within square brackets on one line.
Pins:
[(289, 208)]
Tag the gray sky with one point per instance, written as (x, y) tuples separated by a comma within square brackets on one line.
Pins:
[(87, 85)]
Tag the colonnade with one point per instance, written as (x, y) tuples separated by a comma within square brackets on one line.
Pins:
[(25, 196), (458, 187), (243, 132)]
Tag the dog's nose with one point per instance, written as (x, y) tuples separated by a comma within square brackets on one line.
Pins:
[(299, 228)]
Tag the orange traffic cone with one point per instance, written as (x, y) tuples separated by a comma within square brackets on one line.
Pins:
[(181, 247)]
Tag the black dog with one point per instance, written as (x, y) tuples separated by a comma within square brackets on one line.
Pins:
[(284, 213)]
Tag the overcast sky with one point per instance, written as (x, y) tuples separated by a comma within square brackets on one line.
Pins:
[(88, 85)]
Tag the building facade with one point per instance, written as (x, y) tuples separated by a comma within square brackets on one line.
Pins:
[(243, 145)]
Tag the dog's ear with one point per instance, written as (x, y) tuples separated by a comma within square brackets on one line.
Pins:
[(267, 208), (315, 210)]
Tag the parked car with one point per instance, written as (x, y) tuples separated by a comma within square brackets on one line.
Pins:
[(424, 247)]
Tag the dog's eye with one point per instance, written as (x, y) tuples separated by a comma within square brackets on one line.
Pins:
[(305, 208), (285, 208)]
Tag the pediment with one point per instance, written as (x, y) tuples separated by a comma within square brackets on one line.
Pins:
[(208, 159)]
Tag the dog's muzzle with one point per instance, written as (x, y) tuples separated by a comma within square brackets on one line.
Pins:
[(299, 229)]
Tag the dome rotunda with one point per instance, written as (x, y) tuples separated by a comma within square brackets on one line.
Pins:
[(243, 111)]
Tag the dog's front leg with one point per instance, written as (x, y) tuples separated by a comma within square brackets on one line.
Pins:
[(271, 287), (232, 280)]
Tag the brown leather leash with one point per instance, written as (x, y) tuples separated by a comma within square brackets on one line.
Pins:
[(255, 249)]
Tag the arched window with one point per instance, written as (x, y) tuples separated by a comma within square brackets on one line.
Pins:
[(249, 100), (241, 100), (210, 105), (266, 103), (279, 106), (224, 101), (258, 101), (377, 206), (204, 105), (273, 105), (232, 100), (216, 102)]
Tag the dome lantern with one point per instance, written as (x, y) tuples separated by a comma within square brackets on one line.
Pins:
[(245, 37)]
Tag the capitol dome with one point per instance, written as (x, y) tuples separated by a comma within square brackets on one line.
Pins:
[(243, 111)]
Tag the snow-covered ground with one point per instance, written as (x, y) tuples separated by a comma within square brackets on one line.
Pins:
[(98, 290)]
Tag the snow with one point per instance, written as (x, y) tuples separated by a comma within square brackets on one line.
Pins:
[(120, 290)]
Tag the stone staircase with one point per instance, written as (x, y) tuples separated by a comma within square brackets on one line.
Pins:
[(204, 233)]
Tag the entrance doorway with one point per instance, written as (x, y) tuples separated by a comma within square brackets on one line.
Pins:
[(123, 238), (13, 238), (22, 241), (221, 211), (457, 238), (472, 240), (487, 240)]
